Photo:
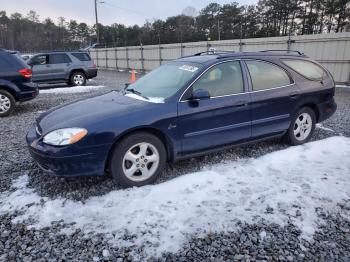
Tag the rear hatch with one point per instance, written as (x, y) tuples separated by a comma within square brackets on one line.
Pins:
[(13, 68)]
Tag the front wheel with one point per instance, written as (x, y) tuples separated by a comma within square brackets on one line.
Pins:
[(7, 103), (138, 160), (302, 127)]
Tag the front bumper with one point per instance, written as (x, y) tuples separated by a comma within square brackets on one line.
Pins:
[(67, 161)]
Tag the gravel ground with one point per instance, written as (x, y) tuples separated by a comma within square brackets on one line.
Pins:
[(260, 242)]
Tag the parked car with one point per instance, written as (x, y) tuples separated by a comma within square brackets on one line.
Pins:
[(15, 82), (188, 107), (73, 68)]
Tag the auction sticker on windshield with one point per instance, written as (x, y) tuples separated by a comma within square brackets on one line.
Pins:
[(189, 68)]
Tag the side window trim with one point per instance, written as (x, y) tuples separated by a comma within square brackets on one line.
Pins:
[(267, 89), (245, 90)]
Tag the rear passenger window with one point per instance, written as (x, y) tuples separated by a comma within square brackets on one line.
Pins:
[(82, 56), (59, 59), (222, 79), (305, 68), (265, 75)]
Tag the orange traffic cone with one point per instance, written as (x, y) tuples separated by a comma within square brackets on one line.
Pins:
[(133, 76)]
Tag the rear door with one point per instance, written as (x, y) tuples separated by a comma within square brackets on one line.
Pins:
[(222, 119), (273, 95), (59, 64)]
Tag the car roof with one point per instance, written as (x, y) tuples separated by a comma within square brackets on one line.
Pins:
[(212, 56), (61, 52)]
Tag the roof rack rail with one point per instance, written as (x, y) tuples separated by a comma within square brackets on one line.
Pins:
[(213, 52), (283, 50)]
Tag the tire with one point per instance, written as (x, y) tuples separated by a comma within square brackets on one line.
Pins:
[(7, 103), (302, 127), (138, 160), (78, 79)]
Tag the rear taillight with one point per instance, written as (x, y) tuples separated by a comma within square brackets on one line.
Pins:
[(26, 72), (93, 64)]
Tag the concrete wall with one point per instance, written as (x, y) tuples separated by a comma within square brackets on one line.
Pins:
[(332, 50)]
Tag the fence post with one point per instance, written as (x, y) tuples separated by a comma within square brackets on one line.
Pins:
[(106, 54), (349, 75), (127, 58), (160, 55), (182, 51), (116, 57), (142, 59), (97, 62)]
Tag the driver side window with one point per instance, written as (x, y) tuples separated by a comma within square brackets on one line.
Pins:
[(223, 79)]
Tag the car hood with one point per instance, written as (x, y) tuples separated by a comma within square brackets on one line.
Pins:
[(90, 111)]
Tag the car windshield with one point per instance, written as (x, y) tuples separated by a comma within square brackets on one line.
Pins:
[(164, 81)]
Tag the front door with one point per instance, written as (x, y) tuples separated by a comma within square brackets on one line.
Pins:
[(59, 64), (220, 120)]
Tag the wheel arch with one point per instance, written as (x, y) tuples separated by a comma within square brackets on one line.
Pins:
[(313, 107), (77, 70), (151, 130), (10, 90)]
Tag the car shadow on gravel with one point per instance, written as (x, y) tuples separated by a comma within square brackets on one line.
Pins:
[(82, 188)]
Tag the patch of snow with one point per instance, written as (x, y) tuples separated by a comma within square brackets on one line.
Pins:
[(70, 90), (343, 86), (320, 126), (156, 100), (291, 183)]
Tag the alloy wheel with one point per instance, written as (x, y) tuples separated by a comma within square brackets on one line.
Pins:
[(5, 103), (78, 80), (302, 126), (141, 162)]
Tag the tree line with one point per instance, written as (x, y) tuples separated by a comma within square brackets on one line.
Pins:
[(267, 18)]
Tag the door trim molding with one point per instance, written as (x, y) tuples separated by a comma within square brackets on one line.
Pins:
[(217, 129)]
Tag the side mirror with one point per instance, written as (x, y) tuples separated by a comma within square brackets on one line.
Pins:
[(126, 85), (200, 94)]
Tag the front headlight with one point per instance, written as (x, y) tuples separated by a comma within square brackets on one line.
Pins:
[(65, 136)]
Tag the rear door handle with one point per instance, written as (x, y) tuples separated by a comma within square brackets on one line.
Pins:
[(241, 104), (294, 95)]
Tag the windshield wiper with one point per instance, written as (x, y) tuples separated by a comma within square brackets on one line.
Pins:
[(136, 93)]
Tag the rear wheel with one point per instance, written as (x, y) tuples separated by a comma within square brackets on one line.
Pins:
[(302, 127), (138, 160), (78, 79), (7, 103)]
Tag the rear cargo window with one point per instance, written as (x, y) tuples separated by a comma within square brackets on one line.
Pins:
[(82, 56), (305, 68), (4, 64)]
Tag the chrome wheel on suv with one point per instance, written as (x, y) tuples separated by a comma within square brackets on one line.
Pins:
[(302, 127), (78, 79), (7, 103)]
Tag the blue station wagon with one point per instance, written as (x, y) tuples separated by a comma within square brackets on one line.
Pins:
[(187, 107)]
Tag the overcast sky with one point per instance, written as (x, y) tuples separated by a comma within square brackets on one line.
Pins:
[(127, 12)]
